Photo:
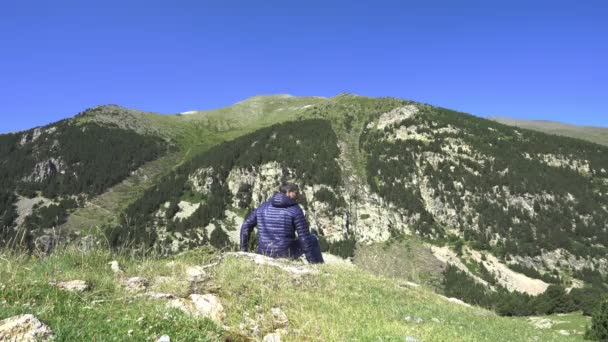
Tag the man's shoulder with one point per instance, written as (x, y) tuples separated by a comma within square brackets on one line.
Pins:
[(264, 205), (295, 209)]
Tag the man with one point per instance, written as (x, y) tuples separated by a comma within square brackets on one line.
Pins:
[(278, 220)]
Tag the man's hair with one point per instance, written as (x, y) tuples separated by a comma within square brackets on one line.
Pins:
[(288, 187)]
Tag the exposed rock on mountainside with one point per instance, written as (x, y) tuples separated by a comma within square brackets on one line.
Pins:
[(508, 278), (447, 256)]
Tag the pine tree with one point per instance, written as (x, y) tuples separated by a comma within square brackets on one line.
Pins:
[(599, 324)]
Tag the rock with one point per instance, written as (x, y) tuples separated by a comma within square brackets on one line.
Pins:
[(186, 209), (195, 274), (164, 338), (136, 284), (509, 279), (416, 320), (114, 266), (161, 280), (408, 284), (207, 306), (264, 260), (273, 337), (159, 295), (411, 339), (279, 318), (24, 328), (331, 259), (87, 243), (395, 115), (44, 244), (540, 322), (72, 285), (249, 326), (183, 305), (458, 301)]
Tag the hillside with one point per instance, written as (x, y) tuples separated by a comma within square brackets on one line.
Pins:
[(598, 135), (80, 174), (245, 301), (520, 216)]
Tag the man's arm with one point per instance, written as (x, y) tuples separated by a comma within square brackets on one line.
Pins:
[(308, 242), (246, 228)]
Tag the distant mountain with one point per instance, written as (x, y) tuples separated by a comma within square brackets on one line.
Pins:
[(515, 210), (598, 135)]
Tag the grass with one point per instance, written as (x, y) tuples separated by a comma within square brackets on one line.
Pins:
[(340, 303), (402, 259), (105, 313), (574, 323)]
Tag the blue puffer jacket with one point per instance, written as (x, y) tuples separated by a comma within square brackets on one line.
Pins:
[(278, 220)]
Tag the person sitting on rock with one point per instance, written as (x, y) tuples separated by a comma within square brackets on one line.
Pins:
[(278, 220)]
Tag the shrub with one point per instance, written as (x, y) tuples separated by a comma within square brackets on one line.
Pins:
[(599, 324), (219, 239), (344, 248)]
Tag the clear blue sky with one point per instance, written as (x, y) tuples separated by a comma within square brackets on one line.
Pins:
[(517, 58)]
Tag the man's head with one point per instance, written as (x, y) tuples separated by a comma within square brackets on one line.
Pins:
[(290, 189)]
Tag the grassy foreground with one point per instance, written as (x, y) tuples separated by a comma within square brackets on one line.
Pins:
[(339, 303)]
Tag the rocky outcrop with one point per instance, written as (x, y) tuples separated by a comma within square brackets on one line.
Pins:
[(207, 306), (115, 267), (44, 244), (279, 318), (26, 205), (186, 209), (46, 169), (447, 256), (136, 284), (260, 182), (560, 259), (506, 277), (396, 115), (560, 161), (278, 263), (202, 180), (72, 285), (195, 274), (272, 337), (26, 328)]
